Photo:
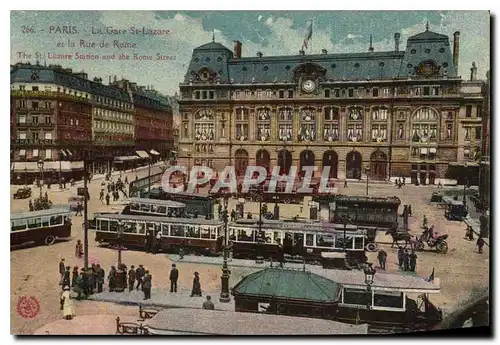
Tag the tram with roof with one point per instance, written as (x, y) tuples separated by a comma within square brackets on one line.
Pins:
[(199, 205), (154, 208), (40, 227)]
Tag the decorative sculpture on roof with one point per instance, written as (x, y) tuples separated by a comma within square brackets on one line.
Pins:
[(427, 68)]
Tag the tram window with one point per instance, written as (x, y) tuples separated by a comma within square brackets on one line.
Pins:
[(388, 299), (277, 237), (134, 206), (177, 230), (230, 231), (34, 223), (359, 243), (56, 220), (326, 241), (214, 232), (164, 229), (103, 225), (18, 225), (205, 232), (193, 231), (141, 228), (161, 210), (146, 208), (150, 226), (268, 236), (130, 228), (245, 235), (358, 297), (45, 221), (113, 226), (310, 240), (154, 209)]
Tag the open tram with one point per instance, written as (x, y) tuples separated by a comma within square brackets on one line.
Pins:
[(202, 205), (41, 227), (155, 208)]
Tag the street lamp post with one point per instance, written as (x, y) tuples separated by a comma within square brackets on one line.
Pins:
[(40, 166), (149, 175), (224, 293), (345, 220), (85, 214), (367, 171), (119, 241), (465, 183)]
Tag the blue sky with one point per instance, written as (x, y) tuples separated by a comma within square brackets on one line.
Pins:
[(270, 32)]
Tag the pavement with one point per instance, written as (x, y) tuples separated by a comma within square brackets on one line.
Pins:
[(163, 298)]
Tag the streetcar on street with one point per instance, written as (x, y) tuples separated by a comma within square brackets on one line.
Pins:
[(41, 227), (153, 207)]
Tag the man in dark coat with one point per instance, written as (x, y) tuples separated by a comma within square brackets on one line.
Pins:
[(409, 210), (62, 269), (31, 206), (480, 244), (139, 273), (100, 277), (233, 215), (208, 304), (413, 261), (400, 256), (147, 242), (174, 276), (196, 291), (112, 279), (67, 279), (101, 196), (382, 258), (406, 260), (147, 285), (107, 199), (131, 278)]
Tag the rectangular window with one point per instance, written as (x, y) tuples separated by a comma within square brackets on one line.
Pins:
[(34, 88), (204, 94), (478, 133), (21, 119), (361, 92), (281, 94), (375, 92), (237, 94), (449, 129), (468, 111), (331, 114), (34, 105), (467, 133), (22, 104), (48, 120), (435, 91), (48, 135), (449, 115), (259, 94), (427, 91), (223, 129), (211, 94), (269, 94), (350, 93), (385, 92), (336, 93), (290, 93), (327, 93), (197, 95), (21, 135), (34, 119), (242, 131), (35, 135), (48, 154), (22, 87)]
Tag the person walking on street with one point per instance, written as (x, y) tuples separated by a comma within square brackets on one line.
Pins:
[(409, 210), (413, 261), (126, 179), (406, 260), (74, 277), (233, 215), (31, 206), (147, 285), (67, 277), (79, 249), (107, 199), (101, 196), (196, 291), (112, 279), (80, 285), (174, 276), (382, 257), (208, 304), (67, 304), (62, 269), (131, 278), (78, 209), (400, 256), (139, 273), (345, 183), (100, 278), (480, 244), (425, 222)]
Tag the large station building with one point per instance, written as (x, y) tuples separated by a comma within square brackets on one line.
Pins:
[(386, 114)]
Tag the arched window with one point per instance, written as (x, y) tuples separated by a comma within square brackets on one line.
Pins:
[(331, 124), (263, 124), (307, 124), (285, 128), (242, 117), (424, 125), (355, 124), (204, 130)]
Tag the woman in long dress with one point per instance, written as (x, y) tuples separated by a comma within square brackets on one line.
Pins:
[(67, 304), (196, 291)]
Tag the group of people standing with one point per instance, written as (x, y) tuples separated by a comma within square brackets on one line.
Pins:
[(407, 259), (113, 189)]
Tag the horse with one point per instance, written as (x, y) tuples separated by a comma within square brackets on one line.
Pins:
[(399, 236)]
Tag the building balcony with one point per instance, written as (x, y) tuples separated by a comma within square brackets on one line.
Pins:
[(47, 94), (34, 125)]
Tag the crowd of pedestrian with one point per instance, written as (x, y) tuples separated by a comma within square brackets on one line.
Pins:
[(113, 190)]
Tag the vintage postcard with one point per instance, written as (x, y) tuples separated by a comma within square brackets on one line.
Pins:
[(249, 172)]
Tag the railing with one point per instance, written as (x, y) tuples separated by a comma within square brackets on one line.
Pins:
[(34, 124), (51, 94)]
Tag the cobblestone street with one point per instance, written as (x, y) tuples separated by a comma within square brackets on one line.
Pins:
[(34, 270)]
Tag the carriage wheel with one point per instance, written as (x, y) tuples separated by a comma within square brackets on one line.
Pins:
[(371, 247), (50, 240), (419, 246), (286, 201), (442, 247)]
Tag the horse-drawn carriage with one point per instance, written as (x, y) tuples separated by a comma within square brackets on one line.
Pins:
[(455, 209), (433, 240), (22, 193)]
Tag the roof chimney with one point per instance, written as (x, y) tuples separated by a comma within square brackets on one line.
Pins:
[(324, 51), (371, 44), (473, 72), (396, 41), (259, 54), (456, 48), (237, 49)]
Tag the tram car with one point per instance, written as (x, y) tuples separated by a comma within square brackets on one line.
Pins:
[(280, 194), (202, 206), (376, 212), (41, 227), (306, 239), (155, 208), (193, 235)]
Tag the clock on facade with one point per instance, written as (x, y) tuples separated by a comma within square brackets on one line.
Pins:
[(308, 86)]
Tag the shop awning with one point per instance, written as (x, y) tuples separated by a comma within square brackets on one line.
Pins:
[(77, 165), (125, 158), (432, 150), (153, 152), (25, 167), (423, 151), (142, 154)]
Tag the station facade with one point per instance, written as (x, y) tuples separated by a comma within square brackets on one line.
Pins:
[(386, 114)]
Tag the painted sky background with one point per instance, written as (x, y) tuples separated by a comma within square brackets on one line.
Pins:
[(270, 32)]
